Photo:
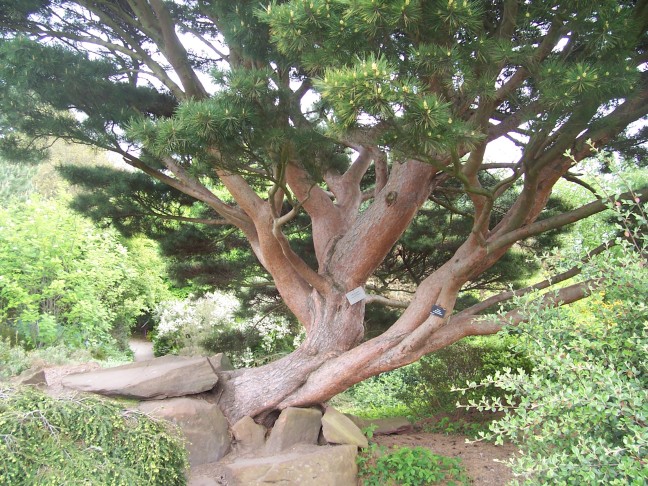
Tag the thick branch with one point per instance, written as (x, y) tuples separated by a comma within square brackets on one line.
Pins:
[(561, 277), (384, 301), (558, 221), (460, 327), (325, 215), (139, 52), (382, 172), (359, 167), (176, 53), (375, 231), (309, 275), (193, 189)]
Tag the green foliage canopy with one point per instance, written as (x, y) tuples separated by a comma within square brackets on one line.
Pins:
[(418, 78)]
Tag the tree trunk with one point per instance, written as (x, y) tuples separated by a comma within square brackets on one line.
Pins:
[(258, 392)]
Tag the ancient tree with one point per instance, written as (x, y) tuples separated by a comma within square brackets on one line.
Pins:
[(352, 113)]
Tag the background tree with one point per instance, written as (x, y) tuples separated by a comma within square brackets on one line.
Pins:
[(354, 113)]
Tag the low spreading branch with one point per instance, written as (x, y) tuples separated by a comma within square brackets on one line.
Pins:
[(561, 277), (384, 301), (559, 221), (462, 326)]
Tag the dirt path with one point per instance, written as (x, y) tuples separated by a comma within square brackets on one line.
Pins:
[(142, 349)]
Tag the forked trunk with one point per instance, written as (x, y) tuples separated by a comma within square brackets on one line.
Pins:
[(333, 357), (258, 392)]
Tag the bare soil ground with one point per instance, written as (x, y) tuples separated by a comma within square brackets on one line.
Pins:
[(142, 349)]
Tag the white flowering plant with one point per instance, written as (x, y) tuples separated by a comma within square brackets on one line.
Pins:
[(182, 323), (209, 324)]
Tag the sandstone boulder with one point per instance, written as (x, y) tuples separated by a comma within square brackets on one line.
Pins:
[(202, 424), (340, 429), (294, 426), (388, 426), (168, 376), (33, 377), (220, 362), (249, 435), (303, 465)]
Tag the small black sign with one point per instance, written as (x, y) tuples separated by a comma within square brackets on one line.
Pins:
[(438, 311)]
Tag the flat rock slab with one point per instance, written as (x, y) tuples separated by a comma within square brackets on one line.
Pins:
[(302, 465), (388, 426), (340, 429), (168, 376), (203, 425), (294, 426)]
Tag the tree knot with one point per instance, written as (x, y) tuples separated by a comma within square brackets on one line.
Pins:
[(391, 197)]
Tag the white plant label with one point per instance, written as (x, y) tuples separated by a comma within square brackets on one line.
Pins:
[(356, 295)]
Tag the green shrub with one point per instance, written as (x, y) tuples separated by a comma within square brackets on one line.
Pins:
[(85, 440), (581, 417), (379, 396), (408, 466), (437, 374), (234, 340), (170, 343), (62, 280), (13, 359), (426, 387)]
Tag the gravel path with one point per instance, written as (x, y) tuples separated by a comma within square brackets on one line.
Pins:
[(142, 349)]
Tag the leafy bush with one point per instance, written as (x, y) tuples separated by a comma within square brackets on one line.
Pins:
[(427, 386), (408, 466), (439, 373), (581, 417), (84, 441), (379, 396), (64, 281), (13, 359)]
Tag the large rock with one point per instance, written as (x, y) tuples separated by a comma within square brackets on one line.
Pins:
[(303, 465), (249, 435), (220, 362), (168, 376), (294, 426), (388, 426), (340, 429), (33, 377), (202, 424)]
